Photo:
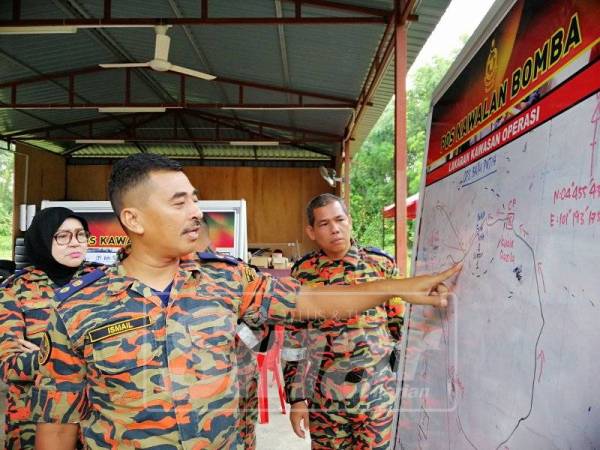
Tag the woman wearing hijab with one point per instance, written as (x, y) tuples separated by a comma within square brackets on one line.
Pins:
[(56, 244)]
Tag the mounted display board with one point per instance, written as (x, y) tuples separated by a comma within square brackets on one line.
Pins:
[(512, 189), (226, 221)]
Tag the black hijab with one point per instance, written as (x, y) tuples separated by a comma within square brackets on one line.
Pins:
[(38, 243)]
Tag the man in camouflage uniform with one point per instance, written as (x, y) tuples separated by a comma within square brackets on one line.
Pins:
[(144, 355), (340, 370), (247, 342)]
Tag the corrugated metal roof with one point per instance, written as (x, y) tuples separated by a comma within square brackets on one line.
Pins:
[(328, 60), (429, 13)]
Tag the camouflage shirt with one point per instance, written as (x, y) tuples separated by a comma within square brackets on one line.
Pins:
[(26, 300), (340, 346), (153, 376)]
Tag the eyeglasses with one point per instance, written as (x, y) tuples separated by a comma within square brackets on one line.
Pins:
[(65, 237)]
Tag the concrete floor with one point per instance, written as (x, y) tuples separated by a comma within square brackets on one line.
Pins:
[(278, 434)]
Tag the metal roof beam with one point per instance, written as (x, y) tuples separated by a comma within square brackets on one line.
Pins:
[(344, 7), (177, 139), (148, 22), (325, 4), (261, 162), (264, 124), (197, 50), (233, 123), (383, 55), (239, 106), (14, 89), (129, 131), (190, 134), (218, 120), (100, 36), (16, 134), (302, 94), (141, 148), (74, 149), (283, 52)]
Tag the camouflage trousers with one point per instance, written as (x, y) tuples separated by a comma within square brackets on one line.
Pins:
[(19, 435), (364, 421), (249, 413)]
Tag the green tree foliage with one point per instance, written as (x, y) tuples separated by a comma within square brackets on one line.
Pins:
[(372, 171), (6, 203)]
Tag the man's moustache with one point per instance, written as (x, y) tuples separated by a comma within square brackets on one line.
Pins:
[(197, 223)]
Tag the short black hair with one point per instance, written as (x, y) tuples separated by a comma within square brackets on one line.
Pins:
[(129, 172), (318, 202)]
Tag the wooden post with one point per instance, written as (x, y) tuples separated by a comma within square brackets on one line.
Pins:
[(400, 143), (347, 174)]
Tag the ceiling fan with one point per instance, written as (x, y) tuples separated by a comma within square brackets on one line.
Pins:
[(329, 176), (160, 62)]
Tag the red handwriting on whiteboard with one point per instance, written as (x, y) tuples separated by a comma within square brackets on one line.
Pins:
[(542, 359), (523, 230), (575, 217), (541, 271), (510, 217), (574, 191)]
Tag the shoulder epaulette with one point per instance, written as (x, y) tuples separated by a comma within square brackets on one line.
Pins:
[(95, 264), (10, 280), (74, 286), (301, 260), (213, 257), (378, 251)]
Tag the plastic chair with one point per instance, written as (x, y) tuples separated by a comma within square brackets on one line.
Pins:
[(270, 361)]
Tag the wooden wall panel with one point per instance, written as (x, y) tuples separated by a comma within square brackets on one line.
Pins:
[(87, 182), (45, 180), (275, 197)]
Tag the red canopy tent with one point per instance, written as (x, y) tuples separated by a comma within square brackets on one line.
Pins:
[(389, 212)]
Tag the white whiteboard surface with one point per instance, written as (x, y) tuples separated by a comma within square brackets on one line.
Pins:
[(513, 362)]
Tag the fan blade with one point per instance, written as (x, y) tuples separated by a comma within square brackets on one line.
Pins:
[(191, 72), (119, 65), (161, 48)]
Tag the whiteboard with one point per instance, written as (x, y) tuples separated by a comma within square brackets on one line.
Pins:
[(512, 363), (521, 336)]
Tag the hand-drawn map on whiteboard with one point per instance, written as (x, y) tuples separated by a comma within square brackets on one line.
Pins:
[(513, 191)]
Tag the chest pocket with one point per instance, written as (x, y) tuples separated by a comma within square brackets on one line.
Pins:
[(123, 345), (212, 359), (36, 312), (125, 359)]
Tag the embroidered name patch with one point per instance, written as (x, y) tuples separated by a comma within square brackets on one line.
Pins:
[(115, 328)]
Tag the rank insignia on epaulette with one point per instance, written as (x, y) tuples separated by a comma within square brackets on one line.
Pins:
[(213, 257), (45, 349), (249, 274), (123, 326), (76, 285), (379, 252)]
